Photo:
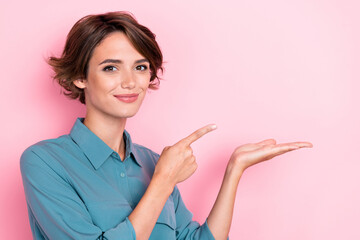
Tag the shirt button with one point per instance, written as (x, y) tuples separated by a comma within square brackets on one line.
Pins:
[(122, 174)]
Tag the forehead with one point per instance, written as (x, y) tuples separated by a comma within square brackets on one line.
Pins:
[(115, 46)]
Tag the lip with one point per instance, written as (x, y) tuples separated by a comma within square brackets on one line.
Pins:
[(127, 98)]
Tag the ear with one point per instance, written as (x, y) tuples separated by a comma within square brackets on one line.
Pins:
[(80, 83)]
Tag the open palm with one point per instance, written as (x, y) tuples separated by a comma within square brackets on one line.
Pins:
[(250, 154)]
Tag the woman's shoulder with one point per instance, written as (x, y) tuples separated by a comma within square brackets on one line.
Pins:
[(48, 143), (43, 149)]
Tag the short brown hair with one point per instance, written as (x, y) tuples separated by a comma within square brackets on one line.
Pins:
[(87, 33)]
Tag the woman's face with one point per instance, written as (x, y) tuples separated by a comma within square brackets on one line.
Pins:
[(118, 77)]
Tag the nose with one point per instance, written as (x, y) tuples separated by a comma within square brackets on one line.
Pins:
[(128, 80)]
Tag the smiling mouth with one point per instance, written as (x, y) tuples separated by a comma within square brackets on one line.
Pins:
[(127, 98)]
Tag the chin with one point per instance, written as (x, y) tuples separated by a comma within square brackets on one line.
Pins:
[(127, 114)]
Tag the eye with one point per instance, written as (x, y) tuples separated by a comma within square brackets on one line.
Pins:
[(109, 69), (141, 68)]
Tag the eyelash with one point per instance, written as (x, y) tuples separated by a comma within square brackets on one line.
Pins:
[(144, 67), (113, 68), (109, 68)]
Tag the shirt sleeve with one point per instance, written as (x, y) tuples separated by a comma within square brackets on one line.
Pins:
[(187, 229), (55, 209)]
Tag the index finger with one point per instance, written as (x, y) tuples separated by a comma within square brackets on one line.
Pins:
[(198, 134)]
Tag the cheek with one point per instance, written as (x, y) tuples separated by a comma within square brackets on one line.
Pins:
[(144, 82), (104, 84)]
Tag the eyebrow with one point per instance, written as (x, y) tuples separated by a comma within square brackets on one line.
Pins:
[(119, 61)]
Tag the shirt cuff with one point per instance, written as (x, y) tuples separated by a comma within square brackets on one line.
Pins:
[(207, 231), (125, 229)]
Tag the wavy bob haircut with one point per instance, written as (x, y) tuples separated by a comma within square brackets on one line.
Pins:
[(87, 33)]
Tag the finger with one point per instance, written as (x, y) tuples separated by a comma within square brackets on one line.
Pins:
[(287, 147), (273, 152), (198, 134), (304, 144), (298, 144)]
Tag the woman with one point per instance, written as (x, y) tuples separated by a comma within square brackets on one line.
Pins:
[(94, 183)]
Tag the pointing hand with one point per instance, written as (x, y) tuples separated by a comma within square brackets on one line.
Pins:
[(177, 162)]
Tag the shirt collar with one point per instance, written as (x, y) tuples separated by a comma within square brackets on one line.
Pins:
[(131, 149), (95, 149)]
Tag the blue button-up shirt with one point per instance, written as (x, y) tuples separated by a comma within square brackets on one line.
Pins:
[(77, 187)]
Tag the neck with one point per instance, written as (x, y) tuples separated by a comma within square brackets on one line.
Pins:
[(108, 129)]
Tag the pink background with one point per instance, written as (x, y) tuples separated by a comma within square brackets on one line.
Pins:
[(259, 69)]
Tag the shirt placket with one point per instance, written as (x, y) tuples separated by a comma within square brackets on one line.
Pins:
[(123, 180)]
